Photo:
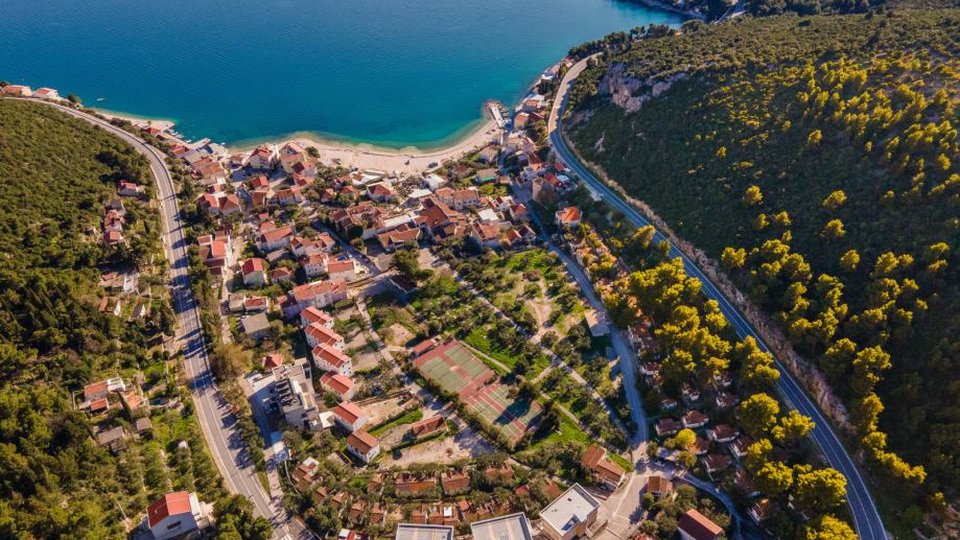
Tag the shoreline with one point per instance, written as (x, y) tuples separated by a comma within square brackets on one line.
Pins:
[(360, 155), (657, 4)]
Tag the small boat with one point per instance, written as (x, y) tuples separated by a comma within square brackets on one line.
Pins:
[(101, 99)]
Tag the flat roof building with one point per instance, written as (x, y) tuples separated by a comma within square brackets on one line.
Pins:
[(510, 527), (412, 531), (570, 514)]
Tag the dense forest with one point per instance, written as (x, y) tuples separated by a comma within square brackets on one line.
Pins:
[(55, 481), (817, 159)]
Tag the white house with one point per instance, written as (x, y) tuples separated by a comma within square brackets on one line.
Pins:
[(342, 270), (262, 158), (695, 526), (363, 445), (317, 333), (315, 315), (568, 218), (327, 358), (293, 391), (340, 385), (274, 238), (350, 416), (317, 294), (176, 514), (434, 181), (315, 264), (254, 272)]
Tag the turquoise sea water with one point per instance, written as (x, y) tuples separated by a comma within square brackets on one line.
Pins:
[(388, 72)]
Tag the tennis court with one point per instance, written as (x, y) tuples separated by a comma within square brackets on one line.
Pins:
[(455, 369), (513, 416)]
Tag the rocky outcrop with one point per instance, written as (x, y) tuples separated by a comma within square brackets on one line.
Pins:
[(630, 92)]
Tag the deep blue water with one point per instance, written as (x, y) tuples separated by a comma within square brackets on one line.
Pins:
[(389, 72)]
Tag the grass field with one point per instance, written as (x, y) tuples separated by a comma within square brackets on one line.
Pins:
[(566, 432), (478, 339), (408, 417)]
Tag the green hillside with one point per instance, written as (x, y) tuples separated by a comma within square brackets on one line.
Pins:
[(818, 159), (57, 174)]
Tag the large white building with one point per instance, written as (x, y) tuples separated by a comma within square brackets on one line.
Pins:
[(510, 527), (294, 394), (414, 531), (569, 515)]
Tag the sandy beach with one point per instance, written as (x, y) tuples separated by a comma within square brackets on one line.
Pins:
[(406, 160), (363, 156)]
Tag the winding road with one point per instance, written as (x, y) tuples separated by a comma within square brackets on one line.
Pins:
[(866, 518), (217, 421)]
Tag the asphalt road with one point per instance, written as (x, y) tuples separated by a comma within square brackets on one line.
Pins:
[(866, 518), (213, 411)]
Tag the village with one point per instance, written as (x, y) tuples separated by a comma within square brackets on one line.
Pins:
[(400, 389)]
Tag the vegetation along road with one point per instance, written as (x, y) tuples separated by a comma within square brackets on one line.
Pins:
[(866, 518), (213, 411)]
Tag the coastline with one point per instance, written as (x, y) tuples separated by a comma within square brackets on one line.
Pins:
[(657, 4), (405, 160), (360, 155)]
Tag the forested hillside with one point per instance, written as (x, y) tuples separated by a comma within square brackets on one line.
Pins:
[(818, 159), (58, 174)]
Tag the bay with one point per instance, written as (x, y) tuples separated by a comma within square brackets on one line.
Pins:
[(389, 72)]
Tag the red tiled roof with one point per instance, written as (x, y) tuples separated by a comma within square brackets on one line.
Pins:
[(570, 214), (592, 455), (218, 249), (312, 290), (698, 526), (362, 441), (281, 273), (330, 355), (101, 404), (427, 425), (170, 504), (322, 334), (272, 360), (338, 383), (314, 315), (423, 346), (253, 265), (277, 234), (348, 411), (340, 266), (94, 389)]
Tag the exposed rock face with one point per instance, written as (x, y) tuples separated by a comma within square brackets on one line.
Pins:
[(629, 92)]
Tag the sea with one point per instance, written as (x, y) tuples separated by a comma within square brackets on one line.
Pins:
[(392, 73)]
